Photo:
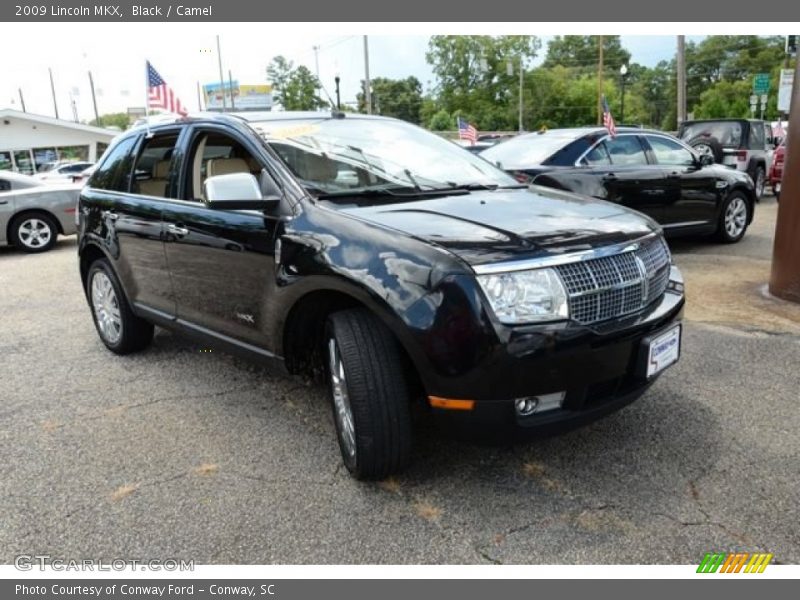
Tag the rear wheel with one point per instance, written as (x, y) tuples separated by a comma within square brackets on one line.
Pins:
[(34, 232), (369, 394), (734, 218), (760, 181), (120, 330)]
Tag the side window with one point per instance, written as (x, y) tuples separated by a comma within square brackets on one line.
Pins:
[(668, 152), (626, 150), (151, 173), (5, 185), (114, 170), (215, 153), (756, 136), (597, 156)]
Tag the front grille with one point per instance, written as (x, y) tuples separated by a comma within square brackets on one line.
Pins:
[(613, 286)]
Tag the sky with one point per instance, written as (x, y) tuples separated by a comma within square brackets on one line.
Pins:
[(186, 53)]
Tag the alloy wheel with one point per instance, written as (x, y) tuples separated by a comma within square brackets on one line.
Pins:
[(736, 217), (106, 308), (34, 233), (341, 400)]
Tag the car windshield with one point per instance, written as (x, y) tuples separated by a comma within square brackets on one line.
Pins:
[(525, 151), (351, 156), (727, 133)]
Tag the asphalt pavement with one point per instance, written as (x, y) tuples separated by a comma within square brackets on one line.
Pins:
[(178, 452)]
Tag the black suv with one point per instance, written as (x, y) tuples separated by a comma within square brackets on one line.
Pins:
[(385, 259), (741, 144)]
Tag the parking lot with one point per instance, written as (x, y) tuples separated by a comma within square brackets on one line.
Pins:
[(179, 452)]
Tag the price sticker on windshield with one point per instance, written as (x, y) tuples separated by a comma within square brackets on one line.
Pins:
[(295, 131)]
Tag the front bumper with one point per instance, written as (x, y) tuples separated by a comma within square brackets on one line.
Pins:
[(598, 370)]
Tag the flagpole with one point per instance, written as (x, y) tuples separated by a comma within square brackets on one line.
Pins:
[(147, 96)]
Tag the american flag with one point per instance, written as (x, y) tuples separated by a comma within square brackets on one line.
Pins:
[(160, 95), (608, 120), (466, 131)]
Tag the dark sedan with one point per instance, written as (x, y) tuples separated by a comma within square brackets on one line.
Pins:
[(646, 170)]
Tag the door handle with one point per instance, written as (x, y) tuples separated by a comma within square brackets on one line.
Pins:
[(610, 177), (3, 201), (674, 175), (177, 230)]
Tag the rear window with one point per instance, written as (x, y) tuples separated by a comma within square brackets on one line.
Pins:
[(727, 133), (525, 151)]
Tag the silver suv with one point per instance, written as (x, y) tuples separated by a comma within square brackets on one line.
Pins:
[(742, 144)]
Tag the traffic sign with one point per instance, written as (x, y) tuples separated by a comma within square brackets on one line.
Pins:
[(761, 83), (753, 100)]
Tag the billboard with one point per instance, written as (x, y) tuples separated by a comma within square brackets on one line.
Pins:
[(237, 96)]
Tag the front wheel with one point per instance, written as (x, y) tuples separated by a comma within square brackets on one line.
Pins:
[(734, 218), (120, 330), (369, 394)]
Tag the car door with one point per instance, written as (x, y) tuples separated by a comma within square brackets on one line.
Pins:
[(6, 207), (692, 194), (123, 202), (629, 178), (221, 261)]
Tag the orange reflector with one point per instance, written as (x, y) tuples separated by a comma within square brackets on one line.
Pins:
[(451, 404)]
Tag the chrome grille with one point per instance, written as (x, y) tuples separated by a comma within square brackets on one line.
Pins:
[(612, 286)]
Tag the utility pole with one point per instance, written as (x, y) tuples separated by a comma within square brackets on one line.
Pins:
[(94, 101), (53, 90), (337, 79), (520, 94), (221, 77), (681, 65), (316, 60), (199, 104), (600, 80), (785, 278), (22, 100), (230, 83), (367, 84)]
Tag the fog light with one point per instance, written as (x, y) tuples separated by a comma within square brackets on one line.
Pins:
[(538, 404), (526, 406)]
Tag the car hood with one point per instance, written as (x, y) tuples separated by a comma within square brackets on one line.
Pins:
[(491, 226)]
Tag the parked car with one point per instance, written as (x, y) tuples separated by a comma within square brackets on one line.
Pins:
[(33, 215), (742, 144), (83, 176), (63, 173), (431, 275), (776, 170), (645, 170)]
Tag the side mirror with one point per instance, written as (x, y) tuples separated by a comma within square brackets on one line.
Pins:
[(706, 159), (237, 191)]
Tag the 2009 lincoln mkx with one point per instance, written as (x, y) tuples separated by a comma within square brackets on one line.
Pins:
[(388, 261)]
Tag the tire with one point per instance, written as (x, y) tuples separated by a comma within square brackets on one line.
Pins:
[(708, 145), (733, 218), (33, 232), (760, 181), (120, 330), (369, 394)]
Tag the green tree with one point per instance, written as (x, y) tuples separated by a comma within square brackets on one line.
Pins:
[(295, 88), (582, 52), (399, 98), (442, 121), (474, 78), (121, 120)]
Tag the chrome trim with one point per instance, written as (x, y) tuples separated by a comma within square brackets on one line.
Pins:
[(562, 259)]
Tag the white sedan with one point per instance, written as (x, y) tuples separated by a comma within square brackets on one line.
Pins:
[(63, 173)]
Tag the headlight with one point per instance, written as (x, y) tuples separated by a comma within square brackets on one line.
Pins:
[(526, 296)]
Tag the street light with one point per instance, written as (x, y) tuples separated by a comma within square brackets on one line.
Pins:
[(623, 76)]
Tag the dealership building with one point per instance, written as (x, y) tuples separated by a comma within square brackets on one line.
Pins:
[(28, 141)]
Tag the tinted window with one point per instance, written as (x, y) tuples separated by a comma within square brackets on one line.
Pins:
[(756, 136), (626, 150), (597, 156), (151, 174), (113, 173), (668, 152), (727, 133)]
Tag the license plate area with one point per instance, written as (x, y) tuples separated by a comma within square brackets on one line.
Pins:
[(659, 351)]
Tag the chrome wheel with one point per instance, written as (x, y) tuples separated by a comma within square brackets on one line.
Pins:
[(704, 149), (735, 217), (341, 401), (34, 233), (106, 308)]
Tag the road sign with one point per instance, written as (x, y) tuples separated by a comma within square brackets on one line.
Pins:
[(753, 100), (761, 83), (785, 89)]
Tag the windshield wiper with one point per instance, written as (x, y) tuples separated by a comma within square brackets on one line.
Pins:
[(476, 186), (394, 191)]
